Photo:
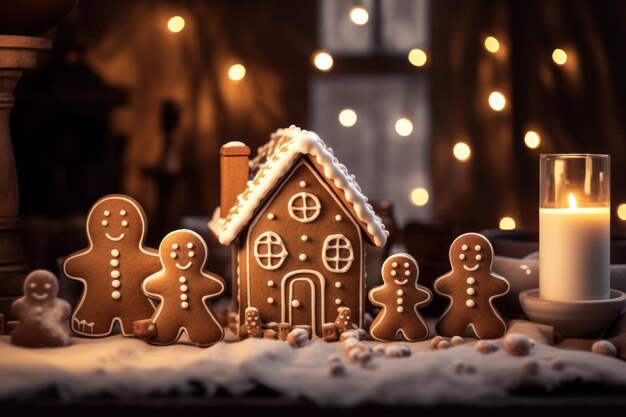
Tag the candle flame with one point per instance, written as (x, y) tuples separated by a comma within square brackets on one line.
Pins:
[(572, 201)]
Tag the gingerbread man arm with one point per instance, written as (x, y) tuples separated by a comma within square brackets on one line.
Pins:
[(75, 265), (212, 285), (423, 296), (376, 296), (153, 285), (63, 308), (501, 285), (441, 284), (18, 307)]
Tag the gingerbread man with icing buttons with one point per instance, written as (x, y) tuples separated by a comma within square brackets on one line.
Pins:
[(471, 287), (112, 268), (184, 287), (400, 297)]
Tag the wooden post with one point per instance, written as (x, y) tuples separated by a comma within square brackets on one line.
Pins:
[(17, 53)]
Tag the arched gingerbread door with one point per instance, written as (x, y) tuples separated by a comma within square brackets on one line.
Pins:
[(303, 299)]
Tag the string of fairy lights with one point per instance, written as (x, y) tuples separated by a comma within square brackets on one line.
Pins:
[(462, 151)]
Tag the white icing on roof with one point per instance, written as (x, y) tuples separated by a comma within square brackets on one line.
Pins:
[(274, 159)]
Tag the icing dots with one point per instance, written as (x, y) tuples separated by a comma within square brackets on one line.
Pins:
[(116, 283), (462, 256), (479, 257), (295, 303), (271, 216), (184, 305), (394, 264), (470, 303), (407, 273), (304, 238), (471, 281), (115, 253), (338, 285), (302, 257), (173, 255), (400, 309), (464, 247), (303, 184), (114, 263), (175, 246), (400, 292), (270, 283), (105, 223), (406, 265), (270, 300), (471, 291), (191, 254), (394, 273), (338, 301), (124, 223), (183, 288), (106, 213), (400, 301), (338, 217), (189, 245), (184, 297), (122, 213), (477, 248), (115, 274), (182, 280), (116, 295)]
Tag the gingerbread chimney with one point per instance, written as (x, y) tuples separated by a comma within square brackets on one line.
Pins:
[(234, 173)]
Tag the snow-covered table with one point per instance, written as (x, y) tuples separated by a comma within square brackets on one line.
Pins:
[(129, 369)]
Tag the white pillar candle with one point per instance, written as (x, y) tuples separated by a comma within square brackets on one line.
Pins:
[(574, 227), (574, 254)]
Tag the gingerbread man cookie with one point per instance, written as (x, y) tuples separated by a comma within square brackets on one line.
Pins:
[(112, 268), (400, 296), (184, 287), (471, 287), (40, 313)]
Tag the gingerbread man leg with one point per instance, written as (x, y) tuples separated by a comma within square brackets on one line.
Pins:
[(167, 332), (489, 327), (128, 319), (415, 332), (203, 335), (90, 324), (449, 325), (380, 331)]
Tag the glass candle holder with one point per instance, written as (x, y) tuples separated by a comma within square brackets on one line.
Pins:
[(574, 227)]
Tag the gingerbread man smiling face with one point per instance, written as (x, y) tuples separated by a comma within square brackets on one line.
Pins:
[(112, 268)]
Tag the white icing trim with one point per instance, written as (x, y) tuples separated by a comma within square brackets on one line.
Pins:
[(269, 239), (286, 302), (316, 207), (490, 271), (278, 163), (341, 242), (183, 329), (84, 323)]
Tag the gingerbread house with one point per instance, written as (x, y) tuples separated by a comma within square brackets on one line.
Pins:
[(297, 223)]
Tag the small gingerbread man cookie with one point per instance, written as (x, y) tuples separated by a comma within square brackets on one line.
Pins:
[(184, 287), (112, 268), (400, 297), (40, 313), (471, 287)]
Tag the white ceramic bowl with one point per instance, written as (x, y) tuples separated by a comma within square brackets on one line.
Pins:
[(582, 319)]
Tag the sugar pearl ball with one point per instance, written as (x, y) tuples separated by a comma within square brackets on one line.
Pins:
[(349, 334), (364, 357), (604, 347), (379, 349), (457, 341), (435, 341), (406, 351), (530, 367), (516, 344), (443, 345), (458, 367), (486, 346), (393, 351)]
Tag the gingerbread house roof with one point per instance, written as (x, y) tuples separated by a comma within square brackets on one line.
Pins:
[(273, 161)]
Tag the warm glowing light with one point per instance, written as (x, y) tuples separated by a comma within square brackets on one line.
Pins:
[(497, 101), (404, 127), (419, 196), (572, 201), (176, 24), (359, 15), (621, 211), (492, 44), (347, 117), (418, 57), (237, 72), (323, 61), (507, 223), (559, 56), (532, 139), (462, 151)]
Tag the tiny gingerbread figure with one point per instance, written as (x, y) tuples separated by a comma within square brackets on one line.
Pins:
[(400, 297), (112, 268), (40, 313), (471, 287), (184, 287)]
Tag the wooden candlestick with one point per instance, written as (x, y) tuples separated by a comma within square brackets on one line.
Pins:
[(17, 53)]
